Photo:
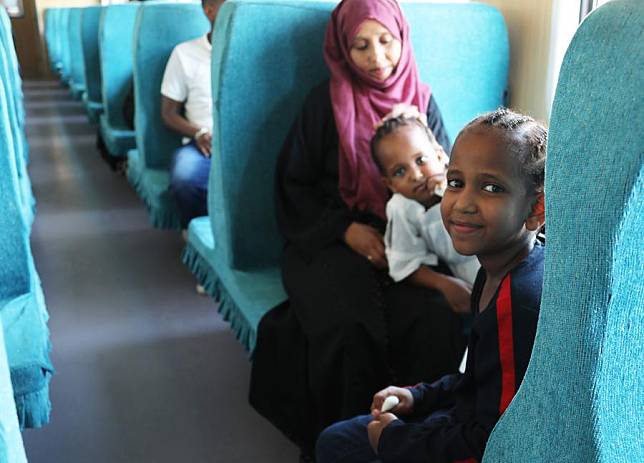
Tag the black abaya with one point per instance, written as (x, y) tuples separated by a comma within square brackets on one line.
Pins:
[(347, 330)]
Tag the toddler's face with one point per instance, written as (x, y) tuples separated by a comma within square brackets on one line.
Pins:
[(487, 202), (411, 164)]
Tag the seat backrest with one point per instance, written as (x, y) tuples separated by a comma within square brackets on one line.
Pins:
[(253, 115), (49, 33), (14, 270), (15, 82), (583, 394), (9, 73), (63, 40), (116, 31), (77, 70), (159, 28), (89, 33)]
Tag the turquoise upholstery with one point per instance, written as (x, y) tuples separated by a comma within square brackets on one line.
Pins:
[(51, 18), (159, 28), (91, 64), (22, 307), (63, 41), (458, 46), (582, 398), (15, 105), (115, 44), (77, 66), (11, 447)]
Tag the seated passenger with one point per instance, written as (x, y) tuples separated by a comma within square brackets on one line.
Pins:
[(492, 208), (186, 107), (412, 165), (360, 330)]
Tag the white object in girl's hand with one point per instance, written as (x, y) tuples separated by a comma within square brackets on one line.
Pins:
[(389, 403)]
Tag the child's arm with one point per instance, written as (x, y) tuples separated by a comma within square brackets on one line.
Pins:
[(404, 245), (456, 291), (419, 400)]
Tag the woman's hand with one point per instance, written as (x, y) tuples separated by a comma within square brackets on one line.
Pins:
[(405, 110), (368, 242), (404, 407), (458, 294)]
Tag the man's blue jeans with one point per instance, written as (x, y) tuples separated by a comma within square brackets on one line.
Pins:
[(189, 174)]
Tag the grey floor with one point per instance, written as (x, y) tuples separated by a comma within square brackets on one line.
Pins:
[(146, 370)]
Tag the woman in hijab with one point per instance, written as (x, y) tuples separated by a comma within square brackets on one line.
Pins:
[(347, 329)]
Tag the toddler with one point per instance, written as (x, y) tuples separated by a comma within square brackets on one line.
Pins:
[(412, 165)]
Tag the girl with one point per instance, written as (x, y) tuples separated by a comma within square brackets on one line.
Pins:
[(492, 208)]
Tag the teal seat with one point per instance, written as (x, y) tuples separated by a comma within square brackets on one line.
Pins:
[(11, 447), (582, 398), (9, 71), (63, 44), (22, 307), (115, 35), (237, 257), (50, 37), (159, 28), (91, 64), (77, 66)]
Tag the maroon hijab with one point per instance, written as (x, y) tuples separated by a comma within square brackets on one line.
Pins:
[(359, 101)]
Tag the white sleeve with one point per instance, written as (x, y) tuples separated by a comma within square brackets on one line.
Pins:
[(404, 245), (174, 84)]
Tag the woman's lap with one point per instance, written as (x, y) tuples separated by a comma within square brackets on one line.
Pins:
[(363, 331)]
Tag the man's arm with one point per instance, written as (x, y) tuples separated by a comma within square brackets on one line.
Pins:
[(171, 114)]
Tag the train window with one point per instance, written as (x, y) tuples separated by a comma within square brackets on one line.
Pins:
[(589, 5)]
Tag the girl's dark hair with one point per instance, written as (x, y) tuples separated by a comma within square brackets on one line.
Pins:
[(529, 140), (390, 126)]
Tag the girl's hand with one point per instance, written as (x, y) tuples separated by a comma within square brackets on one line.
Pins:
[(404, 407), (374, 429), (367, 242), (405, 110), (458, 294)]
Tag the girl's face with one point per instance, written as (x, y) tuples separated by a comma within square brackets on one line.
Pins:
[(411, 164), (374, 50), (487, 203)]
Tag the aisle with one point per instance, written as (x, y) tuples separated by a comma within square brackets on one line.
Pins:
[(146, 370)]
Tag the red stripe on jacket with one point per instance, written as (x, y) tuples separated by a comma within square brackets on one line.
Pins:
[(506, 344)]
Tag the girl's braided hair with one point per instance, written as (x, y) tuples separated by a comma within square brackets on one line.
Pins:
[(529, 140)]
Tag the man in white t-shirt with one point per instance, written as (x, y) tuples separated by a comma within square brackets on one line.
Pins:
[(186, 107)]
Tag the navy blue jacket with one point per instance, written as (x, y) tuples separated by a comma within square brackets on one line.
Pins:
[(470, 404)]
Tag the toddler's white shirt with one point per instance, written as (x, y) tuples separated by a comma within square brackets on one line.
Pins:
[(187, 79), (416, 236)]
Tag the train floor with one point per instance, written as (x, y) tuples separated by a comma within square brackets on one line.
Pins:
[(146, 370)]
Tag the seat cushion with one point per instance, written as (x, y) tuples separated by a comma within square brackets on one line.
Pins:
[(118, 140), (244, 296), (27, 343), (11, 446), (153, 187)]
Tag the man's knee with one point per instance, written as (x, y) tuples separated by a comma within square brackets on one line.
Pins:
[(185, 167)]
